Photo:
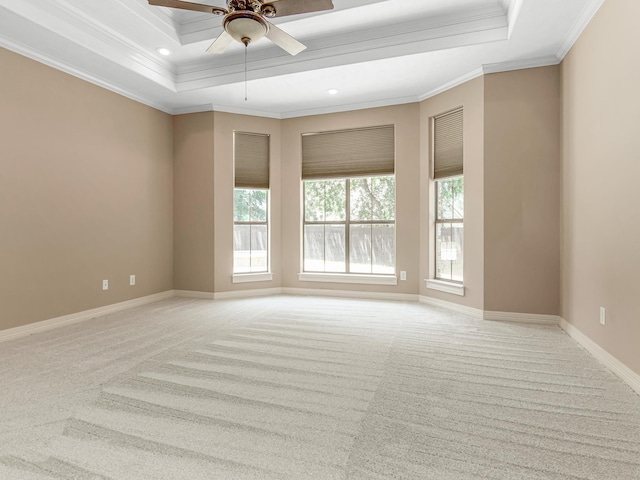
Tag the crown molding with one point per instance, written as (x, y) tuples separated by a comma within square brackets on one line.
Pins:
[(587, 15), (246, 111), (513, 14), (207, 107), (366, 45), (452, 84), (78, 73), (491, 68), (76, 38), (195, 27), (520, 64), (158, 18), (388, 102), (125, 49), (348, 107)]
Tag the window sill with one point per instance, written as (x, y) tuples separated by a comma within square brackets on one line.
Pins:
[(251, 277), (447, 287), (348, 278)]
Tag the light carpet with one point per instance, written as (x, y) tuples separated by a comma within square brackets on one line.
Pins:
[(292, 387)]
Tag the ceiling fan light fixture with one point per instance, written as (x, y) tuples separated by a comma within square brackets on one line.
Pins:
[(246, 27)]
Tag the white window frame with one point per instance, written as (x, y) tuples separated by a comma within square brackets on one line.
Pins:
[(260, 275), (346, 276), (440, 221)]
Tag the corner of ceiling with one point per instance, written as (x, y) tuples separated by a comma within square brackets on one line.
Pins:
[(207, 107), (590, 9), (520, 64), (478, 72), (33, 54)]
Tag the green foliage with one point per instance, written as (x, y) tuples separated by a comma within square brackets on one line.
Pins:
[(450, 197), (325, 200), (371, 198), (250, 205)]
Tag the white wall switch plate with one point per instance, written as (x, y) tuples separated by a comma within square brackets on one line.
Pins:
[(132, 279), (603, 316), (403, 275), (105, 284)]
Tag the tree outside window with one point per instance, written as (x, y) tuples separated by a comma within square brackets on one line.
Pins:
[(250, 230), (349, 225), (449, 228)]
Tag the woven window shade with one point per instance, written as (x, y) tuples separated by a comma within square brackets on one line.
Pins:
[(447, 145), (349, 153), (251, 152)]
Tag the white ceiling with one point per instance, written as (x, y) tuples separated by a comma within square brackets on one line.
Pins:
[(375, 52)]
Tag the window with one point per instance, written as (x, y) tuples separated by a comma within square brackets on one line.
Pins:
[(349, 202), (251, 203), (449, 228), (349, 225), (449, 196), (250, 230)]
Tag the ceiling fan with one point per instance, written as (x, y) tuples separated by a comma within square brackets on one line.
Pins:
[(245, 22)]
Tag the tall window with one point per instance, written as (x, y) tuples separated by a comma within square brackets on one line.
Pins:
[(449, 196), (349, 201), (251, 203), (349, 225)]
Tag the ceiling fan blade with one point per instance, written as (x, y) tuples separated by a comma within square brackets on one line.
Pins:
[(295, 7), (221, 43), (196, 7), (284, 40)]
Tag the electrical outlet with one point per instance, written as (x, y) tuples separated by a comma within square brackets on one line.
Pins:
[(403, 275), (105, 284), (603, 316), (132, 279)]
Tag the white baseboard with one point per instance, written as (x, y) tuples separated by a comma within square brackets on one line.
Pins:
[(455, 307), (522, 318), (193, 294), (318, 292), (37, 327), (627, 375), (260, 292)]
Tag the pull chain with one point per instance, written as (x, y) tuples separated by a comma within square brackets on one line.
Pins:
[(246, 46)]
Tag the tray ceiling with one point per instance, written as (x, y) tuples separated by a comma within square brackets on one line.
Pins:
[(374, 52)]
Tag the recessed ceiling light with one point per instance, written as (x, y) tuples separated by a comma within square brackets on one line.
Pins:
[(332, 91), (163, 51)]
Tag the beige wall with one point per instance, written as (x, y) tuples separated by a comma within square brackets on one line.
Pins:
[(521, 191), (407, 122), (85, 195), (225, 125), (600, 174), (470, 96), (193, 185)]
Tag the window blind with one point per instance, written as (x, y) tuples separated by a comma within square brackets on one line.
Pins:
[(447, 145), (251, 156), (349, 153)]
